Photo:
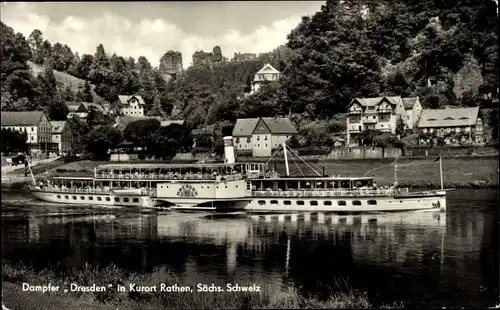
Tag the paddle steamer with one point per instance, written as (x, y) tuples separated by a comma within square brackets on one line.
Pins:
[(234, 186)]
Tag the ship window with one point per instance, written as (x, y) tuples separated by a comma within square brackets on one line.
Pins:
[(74, 197), (341, 203), (372, 202), (262, 202), (313, 203), (108, 199), (99, 198), (91, 198), (136, 200), (274, 202), (287, 202), (356, 203), (58, 196), (327, 203), (66, 197), (82, 197), (300, 202), (117, 199), (125, 199)]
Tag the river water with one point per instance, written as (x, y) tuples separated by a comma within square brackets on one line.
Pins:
[(422, 258)]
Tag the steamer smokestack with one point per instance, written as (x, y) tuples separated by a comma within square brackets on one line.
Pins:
[(229, 150)]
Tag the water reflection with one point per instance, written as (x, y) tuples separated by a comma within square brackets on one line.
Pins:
[(426, 258)]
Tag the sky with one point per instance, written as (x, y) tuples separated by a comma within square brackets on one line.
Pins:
[(152, 28)]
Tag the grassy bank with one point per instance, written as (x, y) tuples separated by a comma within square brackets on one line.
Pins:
[(16, 274), (458, 172)]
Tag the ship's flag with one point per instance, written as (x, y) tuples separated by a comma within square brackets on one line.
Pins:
[(437, 158)]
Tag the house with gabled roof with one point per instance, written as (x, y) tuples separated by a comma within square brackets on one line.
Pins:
[(62, 136), (413, 111), (380, 113), (262, 135), (267, 73), (82, 109), (35, 124), (453, 120), (132, 105)]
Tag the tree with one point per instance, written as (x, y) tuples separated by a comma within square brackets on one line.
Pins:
[(162, 143), (400, 127), (138, 131), (67, 94), (13, 141), (35, 40), (87, 92), (58, 111), (96, 117), (99, 70), (79, 97), (493, 122), (248, 85), (99, 140)]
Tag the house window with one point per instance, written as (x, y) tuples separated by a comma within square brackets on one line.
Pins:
[(265, 138), (82, 198), (356, 203), (66, 197), (262, 202), (125, 199), (32, 128), (237, 140), (372, 202), (117, 199), (313, 203), (327, 203), (258, 138), (287, 202), (341, 203), (136, 199), (300, 202), (108, 199), (274, 202), (99, 198)]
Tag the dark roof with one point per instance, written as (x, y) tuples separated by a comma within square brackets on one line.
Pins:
[(57, 126), (124, 99), (97, 106), (449, 117), (245, 127), (28, 118)]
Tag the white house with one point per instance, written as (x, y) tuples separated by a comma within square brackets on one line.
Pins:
[(267, 73), (62, 136), (130, 105), (35, 124), (379, 113), (262, 135)]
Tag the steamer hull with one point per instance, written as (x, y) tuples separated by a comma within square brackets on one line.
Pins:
[(424, 201), (96, 199)]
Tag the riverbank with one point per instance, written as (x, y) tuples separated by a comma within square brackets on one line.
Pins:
[(109, 277)]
